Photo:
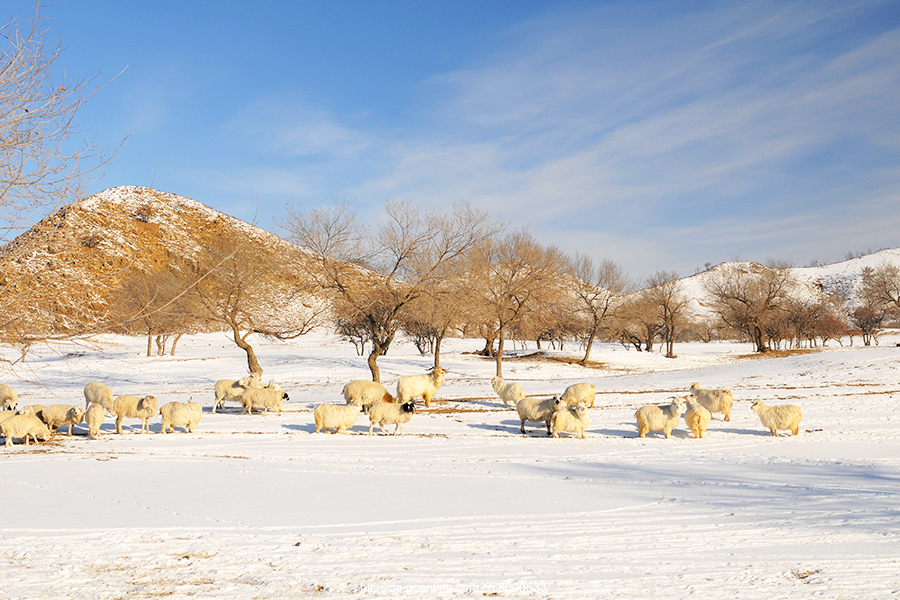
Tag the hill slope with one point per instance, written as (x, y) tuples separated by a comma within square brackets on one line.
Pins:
[(65, 271)]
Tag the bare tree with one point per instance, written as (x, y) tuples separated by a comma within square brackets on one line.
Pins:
[(749, 297), (880, 288), (868, 320), (599, 294), (509, 276), (241, 289), (40, 166), (671, 305), (638, 322), (158, 304), (373, 278)]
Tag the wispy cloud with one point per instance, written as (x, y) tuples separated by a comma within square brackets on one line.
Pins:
[(620, 122)]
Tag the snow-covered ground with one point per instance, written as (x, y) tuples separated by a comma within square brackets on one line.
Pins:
[(461, 504)]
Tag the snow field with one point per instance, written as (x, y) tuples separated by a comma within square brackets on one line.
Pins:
[(461, 504)]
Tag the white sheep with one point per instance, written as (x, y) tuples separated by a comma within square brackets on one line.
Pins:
[(339, 418), (714, 400), (365, 393), (180, 414), (32, 409), (659, 418), (96, 392), (94, 419), (5, 414), (24, 426), (231, 390), (696, 417), (263, 398), (58, 415), (571, 419), (387, 413), (783, 416), (135, 408), (580, 392), (410, 387), (537, 410), (509, 391), (9, 399)]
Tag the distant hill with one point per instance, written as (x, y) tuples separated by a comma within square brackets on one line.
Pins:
[(66, 269), (840, 279)]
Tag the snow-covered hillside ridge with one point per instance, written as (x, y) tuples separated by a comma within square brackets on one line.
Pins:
[(840, 279)]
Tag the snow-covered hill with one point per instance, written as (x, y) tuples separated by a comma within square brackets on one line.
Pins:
[(64, 271), (840, 279)]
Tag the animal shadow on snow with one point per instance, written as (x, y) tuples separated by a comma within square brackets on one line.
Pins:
[(311, 428), (512, 426)]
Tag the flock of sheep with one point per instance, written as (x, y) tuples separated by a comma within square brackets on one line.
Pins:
[(563, 413)]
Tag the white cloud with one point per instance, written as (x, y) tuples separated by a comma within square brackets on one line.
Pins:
[(634, 126)]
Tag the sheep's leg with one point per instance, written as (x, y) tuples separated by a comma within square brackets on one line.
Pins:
[(522, 428), (795, 430), (427, 399)]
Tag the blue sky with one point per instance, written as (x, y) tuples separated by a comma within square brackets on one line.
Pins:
[(661, 135)]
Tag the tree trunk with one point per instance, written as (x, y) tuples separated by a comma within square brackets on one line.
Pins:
[(437, 351), (587, 350), (670, 347), (498, 359), (149, 344), (241, 342), (175, 342), (161, 344), (373, 365), (759, 338)]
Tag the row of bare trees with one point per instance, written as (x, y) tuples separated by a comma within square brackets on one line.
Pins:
[(432, 275)]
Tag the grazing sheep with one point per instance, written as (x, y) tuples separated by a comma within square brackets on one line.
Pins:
[(571, 419), (94, 418), (5, 414), (537, 410), (696, 417), (365, 393), (783, 416), (98, 393), (339, 418), (410, 387), (9, 399), (231, 390), (508, 391), (579, 392), (135, 408), (387, 413), (180, 414), (24, 426), (34, 410), (659, 418), (714, 400), (58, 415), (263, 398)]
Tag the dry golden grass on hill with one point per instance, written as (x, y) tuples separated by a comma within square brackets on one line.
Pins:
[(62, 276)]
